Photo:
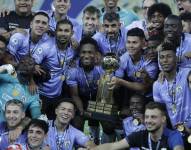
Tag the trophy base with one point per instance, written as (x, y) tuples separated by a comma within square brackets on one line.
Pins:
[(102, 111)]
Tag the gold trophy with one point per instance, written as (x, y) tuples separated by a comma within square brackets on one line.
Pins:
[(105, 105)]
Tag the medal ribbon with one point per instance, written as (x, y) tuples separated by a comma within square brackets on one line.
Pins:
[(150, 143)]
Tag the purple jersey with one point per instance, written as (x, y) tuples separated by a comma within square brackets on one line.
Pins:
[(46, 53), (21, 45), (129, 68), (4, 141), (87, 82), (58, 64), (129, 127), (106, 46), (182, 49), (65, 140), (177, 102)]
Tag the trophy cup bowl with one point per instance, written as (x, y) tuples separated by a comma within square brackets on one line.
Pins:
[(105, 108)]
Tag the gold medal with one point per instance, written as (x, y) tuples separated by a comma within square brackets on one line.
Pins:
[(62, 77), (136, 122), (189, 139), (180, 127), (62, 62), (138, 74), (173, 108)]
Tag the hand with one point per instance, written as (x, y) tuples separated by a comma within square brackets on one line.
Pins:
[(39, 70), (151, 56), (161, 77), (4, 12), (14, 134), (113, 83), (33, 88), (74, 43)]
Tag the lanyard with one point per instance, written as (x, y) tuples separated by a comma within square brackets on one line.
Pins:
[(87, 83), (60, 140), (150, 143), (113, 45), (32, 51), (28, 147), (172, 91), (62, 62)]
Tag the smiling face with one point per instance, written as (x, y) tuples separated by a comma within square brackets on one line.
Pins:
[(87, 55), (64, 33), (172, 29), (39, 25), (111, 28), (154, 120), (13, 115), (136, 105), (167, 60), (64, 113), (157, 19), (90, 22), (35, 136), (134, 45), (62, 6), (23, 7)]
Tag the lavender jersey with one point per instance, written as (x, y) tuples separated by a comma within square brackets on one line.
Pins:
[(162, 92), (4, 141), (21, 45), (87, 82), (129, 128), (182, 49), (58, 65), (65, 140), (129, 68), (106, 46), (53, 22)]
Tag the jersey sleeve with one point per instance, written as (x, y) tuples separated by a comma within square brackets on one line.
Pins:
[(15, 43), (156, 92), (175, 139), (71, 81), (81, 139)]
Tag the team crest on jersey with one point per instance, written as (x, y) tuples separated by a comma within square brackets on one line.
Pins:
[(15, 41), (178, 89), (67, 144), (39, 50)]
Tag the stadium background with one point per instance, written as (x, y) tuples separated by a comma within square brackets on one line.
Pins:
[(78, 5)]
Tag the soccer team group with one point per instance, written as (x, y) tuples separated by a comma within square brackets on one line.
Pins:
[(51, 66)]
